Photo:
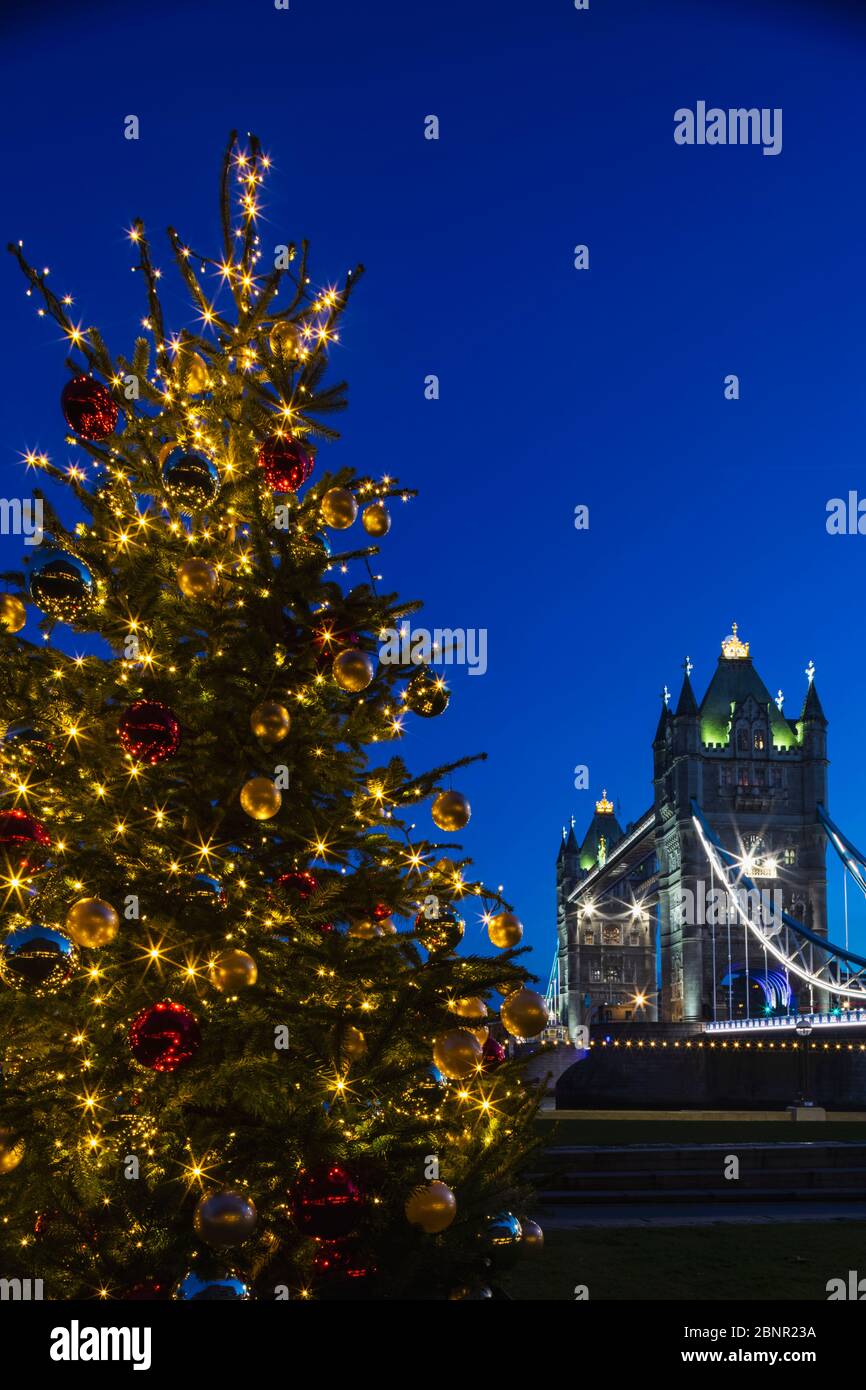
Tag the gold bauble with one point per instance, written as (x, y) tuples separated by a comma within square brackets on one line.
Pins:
[(376, 520), (285, 340), (533, 1236), (92, 922), (524, 1013), (504, 929), (353, 1044), (339, 508), (433, 1207), (364, 929), (451, 811), (233, 970), (353, 670), (473, 1010), (11, 1150), (197, 578), (270, 721), (457, 1054), (197, 378), (260, 798), (13, 614)]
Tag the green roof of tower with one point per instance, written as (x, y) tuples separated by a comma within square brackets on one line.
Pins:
[(734, 680)]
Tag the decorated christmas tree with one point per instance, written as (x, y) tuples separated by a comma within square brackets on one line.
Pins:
[(242, 1054)]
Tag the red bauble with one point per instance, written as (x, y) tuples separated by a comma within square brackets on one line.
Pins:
[(381, 911), (338, 1260), (328, 639), (148, 1291), (89, 407), (492, 1054), (149, 731), (298, 884), (164, 1036), (284, 463), (23, 841), (328, 1202)]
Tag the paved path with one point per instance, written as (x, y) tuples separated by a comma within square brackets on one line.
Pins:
[(649, 1215)]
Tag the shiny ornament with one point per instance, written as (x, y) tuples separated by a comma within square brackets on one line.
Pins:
[(457, 1054), (328, 639), (147, 1291), (197, 578), (340, 1264), (149, 731), (328, 1203), (299, 884), (225, 1217), (492, 1054), (426, 694), (353, 1044), (270, 721), (208, 1284), (233, 970), (191, 480), (89, 408), (260, 798), (505, 930), (208, 889), (62, 586), (474, 1010), (524, 1013), (197, 377), (11, 1150), (24, 842), (440, 933), (164, 1036), (502, 1236), (451, 811), (339, 508), (13, 614), (433, 1208), (353, 670), (363, 928), (533, 1236), (284, 463), (38, 959), (91, 922), (285, 340), (375, 519)]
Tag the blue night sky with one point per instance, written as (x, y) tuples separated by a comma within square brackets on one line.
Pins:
[(558, 387)]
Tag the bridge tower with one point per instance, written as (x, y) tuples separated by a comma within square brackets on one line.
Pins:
[(759, 777)]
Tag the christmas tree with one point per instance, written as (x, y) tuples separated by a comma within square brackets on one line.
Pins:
[(241, 1056)]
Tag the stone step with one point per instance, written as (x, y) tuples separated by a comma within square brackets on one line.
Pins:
[(566, 1198), (633, 1158), (632, 1186)]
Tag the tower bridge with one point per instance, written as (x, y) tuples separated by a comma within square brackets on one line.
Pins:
[(711, 908)]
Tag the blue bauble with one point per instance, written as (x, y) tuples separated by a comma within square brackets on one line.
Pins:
[(210, 1284), (37, 959), (503, 1236), (193, 480), (62, 586)]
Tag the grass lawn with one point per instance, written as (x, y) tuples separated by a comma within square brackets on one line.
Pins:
[(693, 1132), (705, 1262)]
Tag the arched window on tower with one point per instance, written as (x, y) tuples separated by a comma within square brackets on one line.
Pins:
[(759, 737), (743, 739)]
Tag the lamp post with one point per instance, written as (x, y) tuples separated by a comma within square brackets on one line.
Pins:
[(803, 1031)]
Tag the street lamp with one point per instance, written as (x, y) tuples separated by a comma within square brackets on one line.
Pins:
[(803, 1031)]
